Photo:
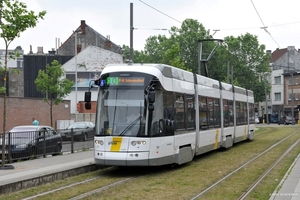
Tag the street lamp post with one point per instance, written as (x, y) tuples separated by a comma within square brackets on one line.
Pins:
[(77, 31), (292, 96), (266, 109)]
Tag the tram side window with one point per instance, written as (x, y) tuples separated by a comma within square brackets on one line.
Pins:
[(203, 113), (241, 110), (231, 113), (251, 113), (168, 113), (238, 113), (242, 113), (210, 106), (179, 111), (217, 113), (226, 112), (245, 113), (190, 112)]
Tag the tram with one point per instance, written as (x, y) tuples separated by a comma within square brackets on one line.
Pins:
[(177, 115)]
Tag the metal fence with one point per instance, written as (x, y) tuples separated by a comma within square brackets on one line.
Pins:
[(30, 145)]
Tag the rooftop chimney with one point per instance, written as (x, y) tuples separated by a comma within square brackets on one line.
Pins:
[(30, 51), (40, 50), (82, 27)]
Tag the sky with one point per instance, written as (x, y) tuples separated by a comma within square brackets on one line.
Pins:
[(281, 20)]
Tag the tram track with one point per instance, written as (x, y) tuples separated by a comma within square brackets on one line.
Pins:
[(116, 181), (263, 175), (252, 187)]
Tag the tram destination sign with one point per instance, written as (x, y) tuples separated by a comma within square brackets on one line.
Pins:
[(122, 81)]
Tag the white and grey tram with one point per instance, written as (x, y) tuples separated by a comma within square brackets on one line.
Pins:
[(178, 115)]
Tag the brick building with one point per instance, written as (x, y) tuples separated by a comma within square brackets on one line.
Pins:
[(20, 111), (87, 36)]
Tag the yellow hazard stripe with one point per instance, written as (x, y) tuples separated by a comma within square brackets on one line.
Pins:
[(116, 144), (245, 135), (217, 139)]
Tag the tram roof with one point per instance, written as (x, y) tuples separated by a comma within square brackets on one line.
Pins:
[(167, 71)]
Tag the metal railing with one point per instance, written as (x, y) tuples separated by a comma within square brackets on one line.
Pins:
[(30, 145)]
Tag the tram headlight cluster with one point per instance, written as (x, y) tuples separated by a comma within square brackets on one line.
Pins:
[(134, 143), (99, 142)]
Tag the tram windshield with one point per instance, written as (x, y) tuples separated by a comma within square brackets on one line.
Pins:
[(121, 109)]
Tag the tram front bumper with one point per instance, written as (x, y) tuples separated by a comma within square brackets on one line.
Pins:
[(122, 158)]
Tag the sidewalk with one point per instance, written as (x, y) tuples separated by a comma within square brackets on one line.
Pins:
[(42, 170), (289, 187)]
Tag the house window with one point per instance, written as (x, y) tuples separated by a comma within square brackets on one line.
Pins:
[(277, 80), (290, 96), (277, 96), (290, 81), (296, 81), (19, 62), (296, 96)]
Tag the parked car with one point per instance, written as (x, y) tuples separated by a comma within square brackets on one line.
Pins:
[(286, 120), (256, 120), (27, 141), (81, 131), (273, 118)]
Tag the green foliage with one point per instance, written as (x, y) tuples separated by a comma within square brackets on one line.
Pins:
[(52, 84), (250, 63), (243, 54), (187, 37), (14, 19), (2, 90)]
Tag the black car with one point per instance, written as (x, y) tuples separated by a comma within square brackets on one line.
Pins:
[(81, 131), (27, 141)]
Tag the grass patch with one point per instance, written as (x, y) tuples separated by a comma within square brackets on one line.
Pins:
[(186, 181)]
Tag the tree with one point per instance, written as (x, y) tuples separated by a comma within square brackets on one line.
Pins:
[(187, 37), (52, 85), (244, 54), (250, 63), (14, 19)]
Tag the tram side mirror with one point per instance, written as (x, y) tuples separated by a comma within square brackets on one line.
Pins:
[(88, 105), (87, 96), (151, 97), (150, 107)]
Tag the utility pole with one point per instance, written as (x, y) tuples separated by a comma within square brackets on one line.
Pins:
[(293, 95), (131, 33)]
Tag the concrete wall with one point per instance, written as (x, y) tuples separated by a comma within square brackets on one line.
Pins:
[(20, 111)]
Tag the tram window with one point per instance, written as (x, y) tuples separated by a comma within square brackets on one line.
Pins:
[(168, 113), (226, 113), (190, 112), (241, 110), (231, 113), (251, 113), (158, 114), (245, 113), (210, 106), (238, 113), (217, 114), (203, 113), (179, 111)]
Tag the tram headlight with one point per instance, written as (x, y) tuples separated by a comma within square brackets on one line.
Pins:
[(134, 143), (99, 142)]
